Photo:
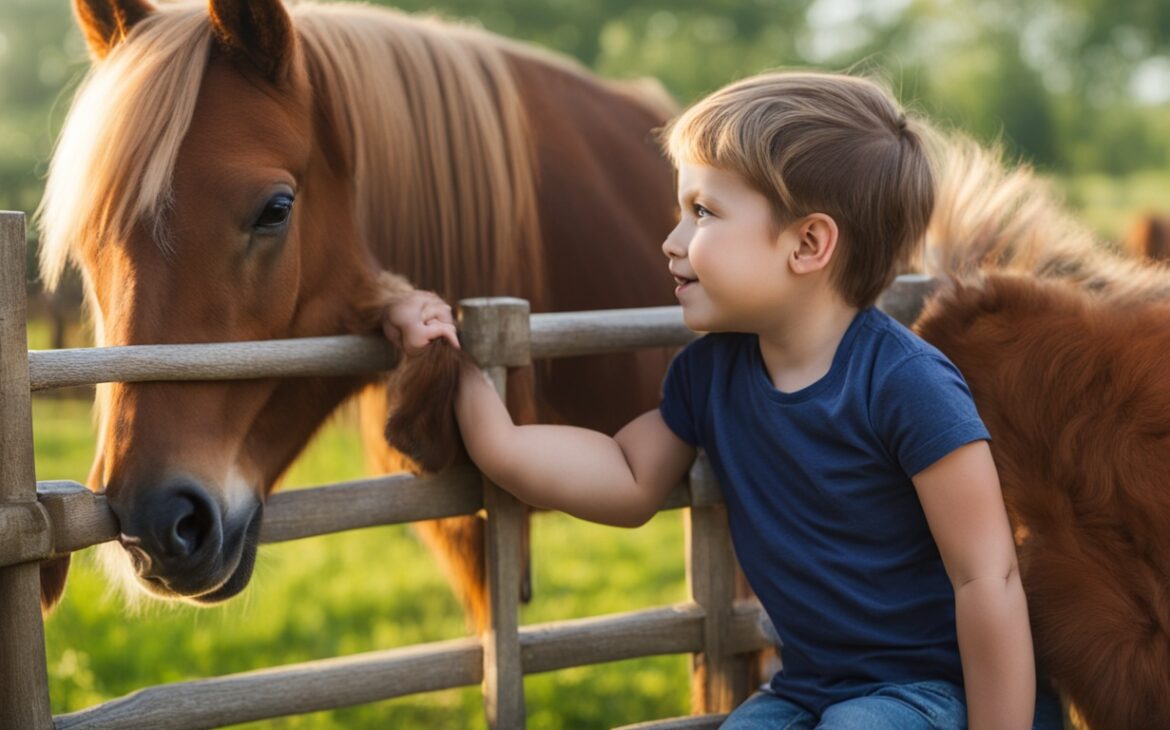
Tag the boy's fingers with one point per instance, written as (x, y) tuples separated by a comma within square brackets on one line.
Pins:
[(418, 338), (437, 309)]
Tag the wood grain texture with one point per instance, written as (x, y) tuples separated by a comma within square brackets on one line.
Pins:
[(720, 675), (307, 356), (78, 518), (360, 678), (24, 684)]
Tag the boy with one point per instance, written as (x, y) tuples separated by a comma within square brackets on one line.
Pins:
[(862, 498)]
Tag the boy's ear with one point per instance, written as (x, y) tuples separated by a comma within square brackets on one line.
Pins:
[(816, 243)]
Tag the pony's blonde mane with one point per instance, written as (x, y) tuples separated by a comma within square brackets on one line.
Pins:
[(993, 216), (428, 114), (113, 162)]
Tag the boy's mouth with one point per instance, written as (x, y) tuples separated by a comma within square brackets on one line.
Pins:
[(682, 282)]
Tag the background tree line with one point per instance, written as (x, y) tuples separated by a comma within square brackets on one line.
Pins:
[(1074, 86)]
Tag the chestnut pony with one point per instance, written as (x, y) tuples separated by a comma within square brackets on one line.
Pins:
[(243, 171), (1065, 346)]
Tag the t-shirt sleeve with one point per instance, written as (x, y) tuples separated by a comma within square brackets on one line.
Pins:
[(923, 410), (678, 406)]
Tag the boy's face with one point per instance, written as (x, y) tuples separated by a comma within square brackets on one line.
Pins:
[(729, 261)]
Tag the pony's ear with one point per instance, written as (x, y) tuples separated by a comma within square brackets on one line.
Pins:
[(260, 30), (106, 23)]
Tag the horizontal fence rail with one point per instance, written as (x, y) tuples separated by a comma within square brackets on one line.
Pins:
[(345, 681), (553, 335), (68, 517)]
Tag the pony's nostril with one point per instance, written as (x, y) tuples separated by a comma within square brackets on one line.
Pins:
[(187, 535), (188, 519)]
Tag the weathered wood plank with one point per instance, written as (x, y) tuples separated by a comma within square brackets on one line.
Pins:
[(566, 334), (289, 690), (345, 681), (650, 632), (308, 356), (720, 677), (693, 722), (386, 500), (24, 684), (903, 300), (553, 334), (80, 518), (495, 333)]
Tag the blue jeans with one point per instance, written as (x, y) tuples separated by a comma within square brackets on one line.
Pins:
[(933, 705)]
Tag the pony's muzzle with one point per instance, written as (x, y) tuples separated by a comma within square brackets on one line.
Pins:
[(175, 539)]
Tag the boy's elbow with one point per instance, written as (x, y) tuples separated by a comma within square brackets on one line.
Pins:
[(636, 514)]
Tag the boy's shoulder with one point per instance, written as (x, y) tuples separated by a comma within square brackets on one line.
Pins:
[(890, 341), (895, 358)]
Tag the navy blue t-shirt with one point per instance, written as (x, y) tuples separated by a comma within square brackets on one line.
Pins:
[(825, 520)]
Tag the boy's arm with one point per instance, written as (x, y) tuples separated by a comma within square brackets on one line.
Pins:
[(618, 481), (961, 497)]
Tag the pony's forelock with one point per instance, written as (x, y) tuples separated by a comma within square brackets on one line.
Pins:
[(113, 163)]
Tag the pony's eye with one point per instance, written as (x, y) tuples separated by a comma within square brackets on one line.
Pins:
[(275, 214)]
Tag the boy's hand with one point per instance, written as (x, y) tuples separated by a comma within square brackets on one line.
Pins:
[(416, 319)]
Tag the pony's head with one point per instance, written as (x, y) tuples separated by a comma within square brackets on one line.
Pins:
[(200, 186)]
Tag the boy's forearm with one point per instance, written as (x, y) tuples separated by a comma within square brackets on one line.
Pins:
[(575, 470), (995, 642)]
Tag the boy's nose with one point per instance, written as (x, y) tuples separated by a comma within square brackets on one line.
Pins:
[(674, 246)]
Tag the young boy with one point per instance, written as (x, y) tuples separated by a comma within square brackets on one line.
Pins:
[(863, 501)]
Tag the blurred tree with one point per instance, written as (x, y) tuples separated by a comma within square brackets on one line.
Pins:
[(39, 56)]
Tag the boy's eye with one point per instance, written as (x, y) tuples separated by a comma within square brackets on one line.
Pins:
[(700, 211)]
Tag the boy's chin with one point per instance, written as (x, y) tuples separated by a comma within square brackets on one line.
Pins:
[(696, 322)]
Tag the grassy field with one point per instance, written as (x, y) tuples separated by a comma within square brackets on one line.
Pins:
[(359, 591)]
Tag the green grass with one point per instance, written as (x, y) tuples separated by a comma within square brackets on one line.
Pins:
[(359, 591)]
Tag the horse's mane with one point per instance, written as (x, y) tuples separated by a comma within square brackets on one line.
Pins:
[(993, 216), (439, 152), (114, 137)]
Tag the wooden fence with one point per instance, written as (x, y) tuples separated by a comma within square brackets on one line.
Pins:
[(41, 520)]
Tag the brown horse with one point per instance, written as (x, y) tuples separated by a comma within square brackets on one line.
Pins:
[(244, 171), (1065, 347)]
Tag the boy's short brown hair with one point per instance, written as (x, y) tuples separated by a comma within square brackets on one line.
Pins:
[(822, 143)]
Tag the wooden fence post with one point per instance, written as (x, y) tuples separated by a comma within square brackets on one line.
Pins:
[(495, 333), (719, 678), (24, 687)]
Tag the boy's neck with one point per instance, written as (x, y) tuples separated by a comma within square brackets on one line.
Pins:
[(799, 350)]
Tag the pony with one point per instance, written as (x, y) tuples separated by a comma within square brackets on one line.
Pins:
[(242, 170), (1064, 345)]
